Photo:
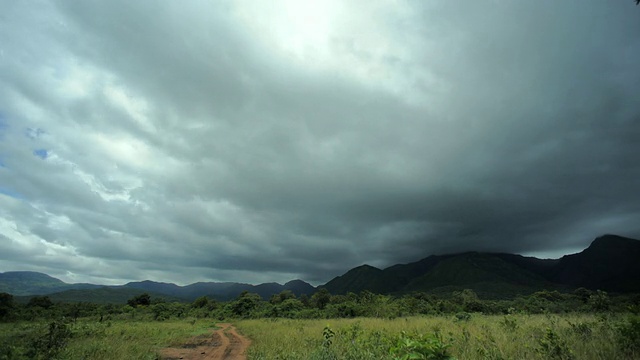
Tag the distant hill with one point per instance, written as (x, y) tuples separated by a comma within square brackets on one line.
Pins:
[(222, 290), (101, 295), (360, 278), (34, 283), (610, 263), (28, 283)]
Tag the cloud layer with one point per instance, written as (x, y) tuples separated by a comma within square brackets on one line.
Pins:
[(244, 141)]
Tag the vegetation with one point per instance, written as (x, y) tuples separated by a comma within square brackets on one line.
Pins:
[(583, 324), (570, 336), (464, 306)]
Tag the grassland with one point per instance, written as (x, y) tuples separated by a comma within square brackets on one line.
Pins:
[(462, 336), (91, 339), (575, 336)]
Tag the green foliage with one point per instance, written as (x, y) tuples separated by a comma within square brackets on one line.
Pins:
[(583, 329), (328, 335), (420, 347), (281, 297), (463, 316), (509, 323), (246, 304), (6, 305), (50, 344), (552, 346), (40, 301), (582, 294), (140, 300), (600, 301), (200, 302), (321, 298), (629, 335)]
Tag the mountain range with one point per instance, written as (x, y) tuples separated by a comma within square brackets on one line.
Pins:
[(29, 283), (610, 263)]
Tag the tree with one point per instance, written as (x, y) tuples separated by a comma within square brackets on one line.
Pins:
[(200, 302), (245, 304), (142, 299), (6, 305), (583, 294), (40, 301), (321, 298), (282, 296), (600, 301)]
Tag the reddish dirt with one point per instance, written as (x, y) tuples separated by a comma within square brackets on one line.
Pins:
[(223, 344)]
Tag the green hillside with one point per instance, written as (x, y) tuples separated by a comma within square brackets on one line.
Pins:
[(486, 274), (29, 282), (101, 295)]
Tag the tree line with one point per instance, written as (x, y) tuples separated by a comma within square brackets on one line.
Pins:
[(321, 304)]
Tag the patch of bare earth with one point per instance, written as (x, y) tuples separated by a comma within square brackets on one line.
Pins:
[(223, 344)]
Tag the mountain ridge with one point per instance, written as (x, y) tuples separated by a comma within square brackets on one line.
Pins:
[(30, 283), (610, 263)]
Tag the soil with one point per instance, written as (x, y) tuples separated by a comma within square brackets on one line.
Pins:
[(223, 344)]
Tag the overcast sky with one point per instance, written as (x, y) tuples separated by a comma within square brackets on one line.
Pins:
[(257, 141)]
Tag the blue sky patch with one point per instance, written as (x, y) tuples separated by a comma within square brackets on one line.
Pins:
[(41, 153), (11, 193), (3, 124)]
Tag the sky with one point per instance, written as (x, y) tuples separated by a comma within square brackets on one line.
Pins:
[(258, 141)]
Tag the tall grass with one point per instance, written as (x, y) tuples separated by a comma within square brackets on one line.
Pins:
[(90, 339), (463, 336), (578, 336)]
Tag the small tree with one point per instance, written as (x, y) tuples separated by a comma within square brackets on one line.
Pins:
[(600, 301), (583, 294), (321, 298), (200, 302)]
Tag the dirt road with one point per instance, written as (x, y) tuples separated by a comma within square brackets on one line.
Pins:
[(223, 344)]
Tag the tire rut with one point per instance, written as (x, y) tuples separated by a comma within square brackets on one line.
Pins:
[(223, 344)]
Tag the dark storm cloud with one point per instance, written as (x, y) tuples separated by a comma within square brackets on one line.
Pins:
[(235, 141)]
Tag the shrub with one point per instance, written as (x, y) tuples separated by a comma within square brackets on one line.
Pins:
[(551, 346), (629, 334), (49, 345), (420, 347)]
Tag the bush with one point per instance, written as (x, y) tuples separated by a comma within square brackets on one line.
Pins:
[(629, 334), (551, 346), (420, 347), (49, 345)]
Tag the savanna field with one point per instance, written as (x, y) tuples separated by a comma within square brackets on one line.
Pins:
[(575, 336), (340, 328)]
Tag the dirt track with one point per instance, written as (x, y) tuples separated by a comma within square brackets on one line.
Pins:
[(223, 344)]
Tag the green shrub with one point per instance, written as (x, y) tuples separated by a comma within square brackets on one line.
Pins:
[(629, 334), (420, 347), (551, 346), (47, 346)]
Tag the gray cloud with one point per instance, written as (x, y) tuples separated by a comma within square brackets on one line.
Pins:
[(238, 142)]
